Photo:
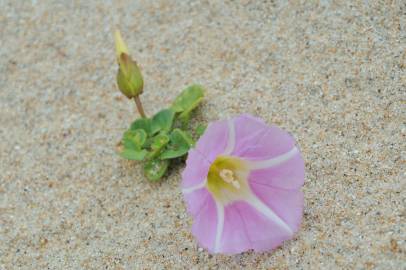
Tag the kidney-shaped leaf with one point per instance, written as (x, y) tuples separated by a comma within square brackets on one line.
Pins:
[(133, 154), (134, 139), (142, 123), (188, 99), (163, 120), (155, 169), (180, 143)]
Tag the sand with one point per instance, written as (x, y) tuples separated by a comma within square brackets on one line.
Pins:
[(331, 73)]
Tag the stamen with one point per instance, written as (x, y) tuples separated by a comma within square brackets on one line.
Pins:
[(236, 184), (227, 175)]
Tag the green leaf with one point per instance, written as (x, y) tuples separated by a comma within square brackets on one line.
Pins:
[(174, 153), (200, 129), (134, 139), (159, 141), (142, 123), (148, 142), (155, 169), (157, 145), (133, 154), (163, 120), (180, 143), (184, 119), (188, 99), (180, 137)]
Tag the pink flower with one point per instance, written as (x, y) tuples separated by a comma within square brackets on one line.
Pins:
[(242, 185)]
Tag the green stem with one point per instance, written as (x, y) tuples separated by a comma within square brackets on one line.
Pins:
[(139, 106)]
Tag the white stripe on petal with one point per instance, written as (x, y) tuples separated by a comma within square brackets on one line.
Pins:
[(231, 138), (194, 188), (265, 210), (220, 225), (268, 163)]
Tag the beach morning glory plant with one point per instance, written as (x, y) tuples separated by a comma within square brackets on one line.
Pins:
[(242, 186), (242, 178)]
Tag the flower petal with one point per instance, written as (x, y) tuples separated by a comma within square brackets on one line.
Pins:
[(214, 140), (205, 224), (196, 170), (248, 131), (246, 228), (256, 140), (286, 204), (286, 175), (196, 200), (234, 238)]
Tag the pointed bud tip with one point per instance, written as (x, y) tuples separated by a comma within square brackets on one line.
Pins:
[(121, 47)]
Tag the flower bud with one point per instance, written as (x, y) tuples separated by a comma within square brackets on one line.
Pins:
[(129, 78)]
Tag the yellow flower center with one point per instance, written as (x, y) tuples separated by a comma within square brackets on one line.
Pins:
[(227, 179)]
